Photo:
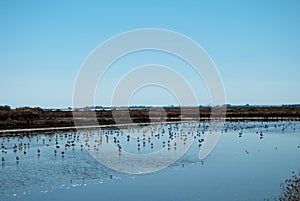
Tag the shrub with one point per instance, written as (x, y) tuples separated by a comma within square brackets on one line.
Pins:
[(5, 107), (291, 188)]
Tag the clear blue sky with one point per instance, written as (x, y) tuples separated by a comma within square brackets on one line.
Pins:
[(255, 45)]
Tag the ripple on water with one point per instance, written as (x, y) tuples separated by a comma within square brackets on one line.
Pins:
[(44, 171)]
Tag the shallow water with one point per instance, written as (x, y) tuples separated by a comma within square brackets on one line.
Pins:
[(245, 165)]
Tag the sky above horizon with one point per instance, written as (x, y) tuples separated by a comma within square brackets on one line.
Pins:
[(255, 46)]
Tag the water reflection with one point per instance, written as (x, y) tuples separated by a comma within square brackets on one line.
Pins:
[(45, 162)]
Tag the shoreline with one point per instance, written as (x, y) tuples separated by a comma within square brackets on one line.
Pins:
[(47, 130), (40, 120)]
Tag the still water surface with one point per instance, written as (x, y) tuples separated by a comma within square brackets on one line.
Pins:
[(249, 163)]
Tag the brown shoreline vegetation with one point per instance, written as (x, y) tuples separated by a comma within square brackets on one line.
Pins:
[(23, 118), (290, 188), (27, 117)]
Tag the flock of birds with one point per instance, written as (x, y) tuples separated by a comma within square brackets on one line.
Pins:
[(150, 138), (20, 145)]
